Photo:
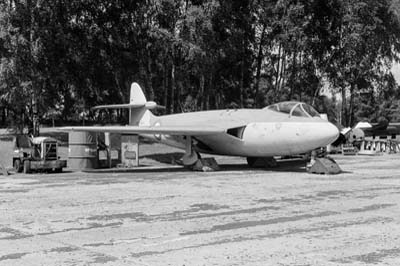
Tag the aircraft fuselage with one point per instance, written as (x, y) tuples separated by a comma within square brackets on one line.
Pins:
[(259, 132)]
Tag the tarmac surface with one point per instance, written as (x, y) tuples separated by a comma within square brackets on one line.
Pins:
[(167, 215)]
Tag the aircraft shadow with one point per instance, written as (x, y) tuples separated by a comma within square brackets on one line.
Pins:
[(171, 162), (292, 166), (174, 158), (142, 168)]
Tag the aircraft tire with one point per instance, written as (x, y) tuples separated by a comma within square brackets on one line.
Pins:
[(27, 167), (251, 161), (261, 162), (190, 159)]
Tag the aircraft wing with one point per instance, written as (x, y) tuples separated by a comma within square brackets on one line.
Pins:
[(168, 130)]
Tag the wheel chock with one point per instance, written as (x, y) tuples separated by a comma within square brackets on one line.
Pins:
[(205, 165), (325, 165)]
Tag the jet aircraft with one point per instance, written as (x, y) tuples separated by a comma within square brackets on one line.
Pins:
[(285, 128)]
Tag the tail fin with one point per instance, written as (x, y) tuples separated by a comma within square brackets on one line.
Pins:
[(137, 95), (138, 106), (139, 114)]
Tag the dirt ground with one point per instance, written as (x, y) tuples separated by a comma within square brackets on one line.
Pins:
[(237, 216)]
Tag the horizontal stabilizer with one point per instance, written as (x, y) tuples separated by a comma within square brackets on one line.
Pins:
[(148, 105), (169, 130)]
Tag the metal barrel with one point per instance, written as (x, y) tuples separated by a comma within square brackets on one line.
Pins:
[(82, 152)]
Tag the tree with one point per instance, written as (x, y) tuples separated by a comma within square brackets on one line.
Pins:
[(367, 42), (63, 57)]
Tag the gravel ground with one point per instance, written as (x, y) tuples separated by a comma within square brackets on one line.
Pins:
[(236, 216)]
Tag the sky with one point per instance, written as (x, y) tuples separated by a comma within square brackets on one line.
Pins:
[(396, 72)]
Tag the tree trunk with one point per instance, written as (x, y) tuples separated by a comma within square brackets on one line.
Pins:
[(316, 93), (172, 110), (165, 87), (121, 89), (217, 100), (178, 96), (35, 116), (33, 45), (282, 72), (353, 88), (21, 129), (241, 84), (149, 78), (3, 116), (278, 67), (344, 107), (210, 91), (259, 65), (293, 74), (207, 97), (201, 92)]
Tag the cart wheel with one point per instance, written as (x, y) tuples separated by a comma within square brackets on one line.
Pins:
[(18, 166), (58, 170), (27, 167)]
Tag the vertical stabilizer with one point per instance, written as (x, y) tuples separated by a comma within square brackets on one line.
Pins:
[(139, 115), (139, 107), (137, 95)]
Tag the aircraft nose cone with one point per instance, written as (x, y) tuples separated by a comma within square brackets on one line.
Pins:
[(329, 133)]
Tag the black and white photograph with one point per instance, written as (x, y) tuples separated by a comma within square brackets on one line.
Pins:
[(199, 132)]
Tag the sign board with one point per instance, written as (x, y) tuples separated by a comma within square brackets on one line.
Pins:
[(130, 150)]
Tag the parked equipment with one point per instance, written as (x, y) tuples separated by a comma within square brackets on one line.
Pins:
[(36, 154)]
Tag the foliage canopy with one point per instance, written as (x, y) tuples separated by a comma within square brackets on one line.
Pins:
[(60, 58)]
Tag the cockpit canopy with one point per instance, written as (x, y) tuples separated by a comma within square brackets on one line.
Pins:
[(294, 109)]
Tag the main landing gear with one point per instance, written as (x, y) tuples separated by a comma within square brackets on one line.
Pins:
[(191, 156), (193, 160)]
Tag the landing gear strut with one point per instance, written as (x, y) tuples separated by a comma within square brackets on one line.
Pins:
[(191, 156), (193, 161)]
